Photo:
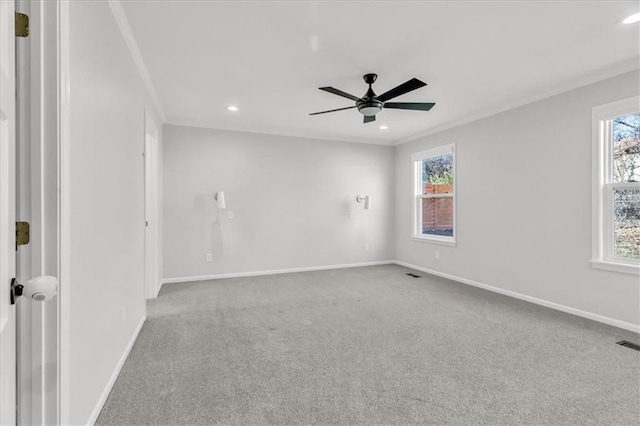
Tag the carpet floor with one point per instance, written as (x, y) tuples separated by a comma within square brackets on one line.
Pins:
[(369, 346)]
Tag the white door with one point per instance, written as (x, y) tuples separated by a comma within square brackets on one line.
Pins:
[(7, 214)]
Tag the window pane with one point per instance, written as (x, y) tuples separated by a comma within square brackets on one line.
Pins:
[(437, 175), (626, 227), (626, 148), (437, 216)]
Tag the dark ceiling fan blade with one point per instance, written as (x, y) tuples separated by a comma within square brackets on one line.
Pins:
[(339, 93), (331, 110), (418, 106), (369, 118), (405, 87)]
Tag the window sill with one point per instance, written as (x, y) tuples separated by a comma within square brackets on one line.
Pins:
[(450, 243), (616, 266)]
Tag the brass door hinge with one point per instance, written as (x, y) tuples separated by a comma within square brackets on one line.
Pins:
[(22, 25), (22, 234)]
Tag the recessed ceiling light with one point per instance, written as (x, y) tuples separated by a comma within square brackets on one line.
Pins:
[(384, 127), (632, 19), (232, 108)]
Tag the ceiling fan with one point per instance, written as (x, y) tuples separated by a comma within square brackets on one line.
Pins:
[(371, 104)]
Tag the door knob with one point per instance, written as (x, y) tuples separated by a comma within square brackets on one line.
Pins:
[(39, 289)]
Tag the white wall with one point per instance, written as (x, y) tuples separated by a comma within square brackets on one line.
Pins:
[(290, 197), (105, 285), (524, 204)]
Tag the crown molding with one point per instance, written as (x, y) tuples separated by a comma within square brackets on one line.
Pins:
[(300, 135), (123, 23), (603, 74)]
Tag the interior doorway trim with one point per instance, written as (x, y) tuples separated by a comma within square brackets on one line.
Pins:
[(37, 74), (152, 226), (64, 217)]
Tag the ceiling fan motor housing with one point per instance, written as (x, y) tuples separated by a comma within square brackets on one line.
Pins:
[(368, 105)]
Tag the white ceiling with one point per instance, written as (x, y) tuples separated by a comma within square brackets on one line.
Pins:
[(270, 57)]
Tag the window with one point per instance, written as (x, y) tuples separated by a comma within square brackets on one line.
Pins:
[(616, 195), (434, 195)]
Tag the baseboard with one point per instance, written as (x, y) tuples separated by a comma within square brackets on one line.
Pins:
[(157, 290), (563, 308), (114, 376), (272, 272)]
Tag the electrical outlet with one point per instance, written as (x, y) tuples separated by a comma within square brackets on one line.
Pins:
[(366, 247), (437, 254), (208, 258), (230, 214)]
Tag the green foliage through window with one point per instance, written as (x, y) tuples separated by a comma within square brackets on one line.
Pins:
[(438, 170)]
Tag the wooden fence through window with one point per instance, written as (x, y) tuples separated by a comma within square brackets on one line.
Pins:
[(437, 213)]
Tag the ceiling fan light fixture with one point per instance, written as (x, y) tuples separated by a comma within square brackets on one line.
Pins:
[(369, 106), (370, 110)]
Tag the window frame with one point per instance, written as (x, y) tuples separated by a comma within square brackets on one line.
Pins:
[(603, 188), (418, 196)]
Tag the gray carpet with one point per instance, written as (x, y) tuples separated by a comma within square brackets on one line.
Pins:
[(369, 346)]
